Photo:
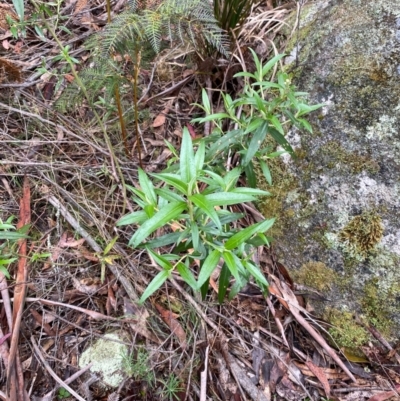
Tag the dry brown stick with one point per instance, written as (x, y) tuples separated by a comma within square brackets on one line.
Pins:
[(15, 380), (295, 308), (52, 373), (203, 378), (50, 395), (6, 300)]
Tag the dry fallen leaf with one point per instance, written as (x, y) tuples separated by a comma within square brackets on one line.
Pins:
[(176, 328), (159, 120)]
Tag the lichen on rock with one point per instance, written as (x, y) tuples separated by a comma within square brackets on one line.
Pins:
[(340, 201), (106, 355)]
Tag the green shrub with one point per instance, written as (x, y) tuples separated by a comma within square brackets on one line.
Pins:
[(192, 209)]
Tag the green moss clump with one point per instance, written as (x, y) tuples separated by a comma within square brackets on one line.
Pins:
[(334, 154), (345, 331), (374, 310), (362, 234), (316, 275)]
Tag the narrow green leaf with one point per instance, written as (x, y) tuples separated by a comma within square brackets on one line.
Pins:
[(281, 140), (250, 191), (147, 188), (162, 217), (155, 284), (228, 198), (221, 144), (306, 109), (132, 218), (161, 261), (7, 261), (174, 180), (110, 245), (4, 271), (243, 235), (254, 124), (204, 289), (211, 117), (164, 240), (258, 240), (305, 124), (219, 181), (257, 63), (199, 156), (267, 85), (277, 124), (187, 275), (232, 261), (6, 226), (194, 228), (236, 289), (256, 142), (256, 273), (266, 171), (271, 63), (186, 158), (168, 195), (12, 235), (250, 175), (20, 9), (201, 202), (208, 266), (223, 283), (245, 74), (206, 101)]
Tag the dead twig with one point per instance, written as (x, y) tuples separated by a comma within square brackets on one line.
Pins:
[(203, 377), (51, 371), (49, 396)]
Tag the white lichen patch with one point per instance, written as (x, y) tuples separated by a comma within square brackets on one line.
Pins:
[(106, 355), (384, 128)]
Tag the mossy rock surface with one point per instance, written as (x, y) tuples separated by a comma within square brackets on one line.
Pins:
[(342, 207)]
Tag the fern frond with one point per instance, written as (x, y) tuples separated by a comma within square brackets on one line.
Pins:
[(133, 5), (124, 28), (152, 23)]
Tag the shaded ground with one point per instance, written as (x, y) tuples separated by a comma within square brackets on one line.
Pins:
[(60, 168)]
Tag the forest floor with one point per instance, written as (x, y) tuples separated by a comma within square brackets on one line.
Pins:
[(75, 283)]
